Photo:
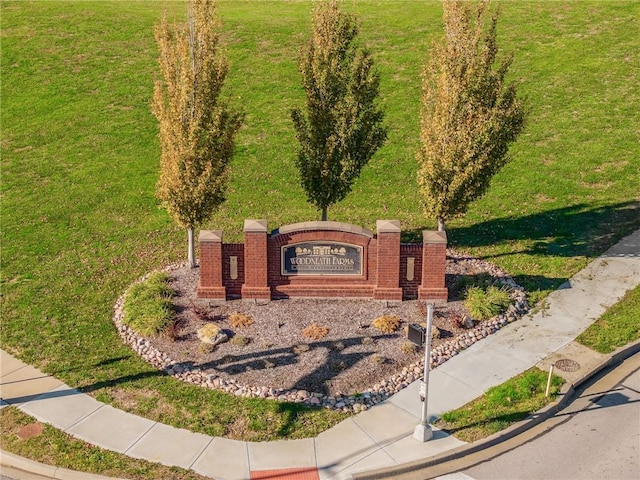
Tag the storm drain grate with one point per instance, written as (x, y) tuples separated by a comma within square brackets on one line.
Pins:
[(567, 365)]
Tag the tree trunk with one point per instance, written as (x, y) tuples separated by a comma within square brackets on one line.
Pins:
[(192, 248), (441, 224), (324, 214)]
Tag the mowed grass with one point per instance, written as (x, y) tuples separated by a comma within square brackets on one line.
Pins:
[(80, 157), (619, 326), (501, 406), (54, 447)]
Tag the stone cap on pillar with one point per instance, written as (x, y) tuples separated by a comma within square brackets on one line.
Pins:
[(431, 236), (320, 225), (255, 226), (388, 226), (211, 236)]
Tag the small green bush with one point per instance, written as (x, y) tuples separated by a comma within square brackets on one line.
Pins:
[(409, 348), (378, 359), (148, 308), (484, 304), (462, 283), (240, 341)]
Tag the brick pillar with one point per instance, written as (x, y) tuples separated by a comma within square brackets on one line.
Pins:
[(434, 260), (210, 283), (388, 274), (256, 279)]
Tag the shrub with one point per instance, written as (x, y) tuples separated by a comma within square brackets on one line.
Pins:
[(240, 341), (240, 320), (484, 304), (301, 348), (409, 348), (462, 283), (148, 308), (205, 348), (315, 331), (378, 359), (387, 323)]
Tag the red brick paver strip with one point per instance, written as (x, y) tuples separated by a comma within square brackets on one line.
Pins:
[(309, 473)]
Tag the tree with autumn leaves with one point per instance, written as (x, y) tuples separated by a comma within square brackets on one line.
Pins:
[(470, 114), (197, 129), (341, 127)]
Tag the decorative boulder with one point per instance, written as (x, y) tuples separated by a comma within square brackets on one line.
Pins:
[(467, 322), (212, 334)]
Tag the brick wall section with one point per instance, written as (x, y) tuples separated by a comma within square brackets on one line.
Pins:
[(255, 260), (351, 286), (384, 264), (234, 287), (210, 283), (410, 287), (434, 259), (388, 268)]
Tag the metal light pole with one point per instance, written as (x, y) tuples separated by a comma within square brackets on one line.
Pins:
[(423, 432)]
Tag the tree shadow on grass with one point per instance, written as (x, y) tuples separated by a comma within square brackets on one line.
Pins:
[(579, 230), (576, 230), (500, 422)]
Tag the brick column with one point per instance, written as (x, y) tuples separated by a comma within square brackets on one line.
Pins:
[(388, 274), (434, 260), (210, 283), (256, 279)]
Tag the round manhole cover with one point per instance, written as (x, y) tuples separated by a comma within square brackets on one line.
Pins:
[(567, 365)]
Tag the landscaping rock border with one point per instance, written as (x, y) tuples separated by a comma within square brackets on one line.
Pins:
[(347, 403)]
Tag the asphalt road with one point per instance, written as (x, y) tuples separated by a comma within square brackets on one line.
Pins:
[(599, 438), (596, 437)]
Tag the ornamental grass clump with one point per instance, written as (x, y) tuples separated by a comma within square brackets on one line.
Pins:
[(240, 320), (148, 309), (240, 341), (387, 323), (409, 348), (484, 304), (315, 331)]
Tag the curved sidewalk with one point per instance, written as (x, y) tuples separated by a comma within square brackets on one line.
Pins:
[(376, 439)]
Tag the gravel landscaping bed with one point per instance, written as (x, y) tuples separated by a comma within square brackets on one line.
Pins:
[(351, 368)]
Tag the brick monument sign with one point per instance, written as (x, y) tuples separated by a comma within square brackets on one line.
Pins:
[(322, 260)]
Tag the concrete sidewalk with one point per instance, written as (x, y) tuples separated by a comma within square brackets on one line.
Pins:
[(378, 438)]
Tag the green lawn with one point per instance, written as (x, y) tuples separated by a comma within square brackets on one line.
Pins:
[(501, 406), (619, 326), (54, 447), (80, 158)]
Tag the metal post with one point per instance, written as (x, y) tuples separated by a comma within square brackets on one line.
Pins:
[(423, 432), (546, 393)]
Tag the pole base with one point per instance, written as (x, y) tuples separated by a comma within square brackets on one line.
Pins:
[(422, 433)]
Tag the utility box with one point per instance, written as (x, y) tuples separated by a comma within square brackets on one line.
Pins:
[(417, 334)]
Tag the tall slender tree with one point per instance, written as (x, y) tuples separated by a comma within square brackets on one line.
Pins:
[(342, 126), (197, 129), (469, 114)]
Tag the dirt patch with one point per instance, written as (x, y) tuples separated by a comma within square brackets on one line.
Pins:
[(273, 351)]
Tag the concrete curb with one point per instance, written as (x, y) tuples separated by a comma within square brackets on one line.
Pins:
[(566, 393), (29, 466)]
